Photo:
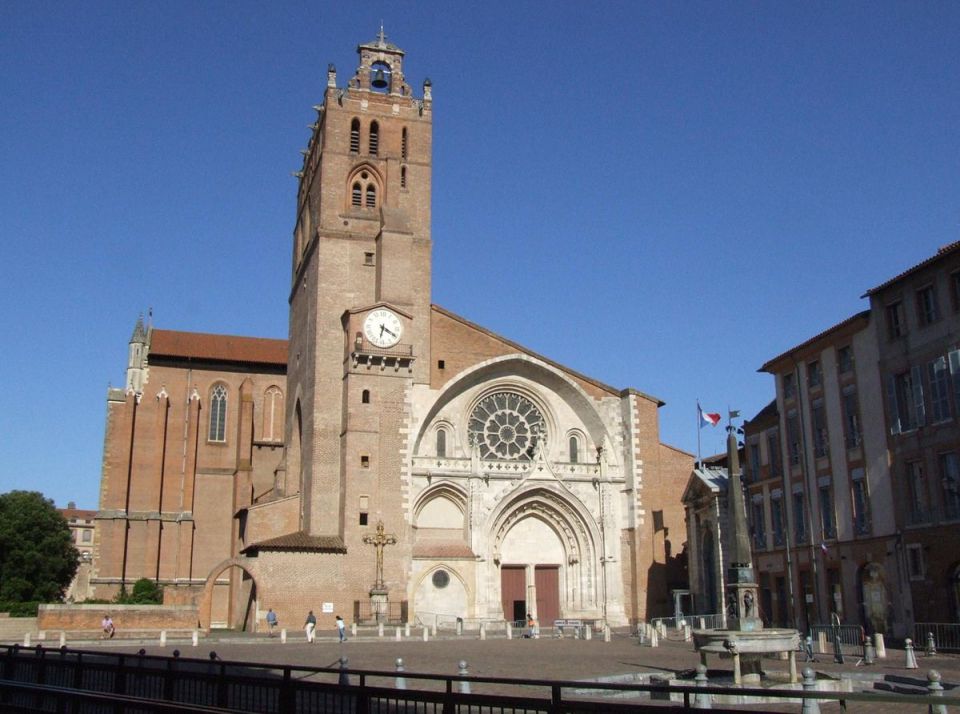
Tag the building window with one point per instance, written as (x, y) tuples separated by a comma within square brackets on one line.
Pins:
[(374, 138), (364, 519), (939, 390), (371, 196), (955, 290), (950, 484), (776, 517), (356, 196), (441, 364), (403, 144), (272, 414), (403, 177), (364, 510), (915, 561), (814, 374), (574, 445), (441, 443), (896, 327), (440, 579), (954, 360), (793, 439), (355, 136), (861, 502), (365, 396), (218, 414), (827, 520), (918, 510), (789, 386), (845, 359), (759, 526), (773, 452), (755, 462), (851, 417), (363, 191), (364, 461), (799, 517), (927, 309), (821, 437), (905, 394), (368, 259), (86, 536), (506, 425)]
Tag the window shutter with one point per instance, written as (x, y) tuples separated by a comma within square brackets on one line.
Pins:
[(916, 377), (894, 409), (955, 372)]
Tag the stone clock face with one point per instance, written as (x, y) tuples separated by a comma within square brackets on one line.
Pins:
[(382, 328)]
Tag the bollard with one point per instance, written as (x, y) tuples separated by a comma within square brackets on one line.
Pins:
[(399, 635), (703, 624), (931, 645), (654, 638), (379, 629), (283, 636), (26, 639), (869, 654), (353, 629), (879, 644), (163, 638), (196, 638), (509, 629), (63, 639), (821, 642), (459, 626), (401, 681), (42, 635), (433, 629), (426, 635), (483, 631), (606, 633), (810, 705), (911, 658), (587, 632), (406, 629), (702, 700), (935, 689), (687, 633), (462, 672), (344, 678)]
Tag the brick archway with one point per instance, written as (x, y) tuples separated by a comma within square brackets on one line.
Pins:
[(206, 600)]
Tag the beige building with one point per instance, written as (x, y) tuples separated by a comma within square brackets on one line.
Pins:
[(82, 523), (246, 474)]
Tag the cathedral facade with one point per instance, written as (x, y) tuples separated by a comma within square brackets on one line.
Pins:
[(391, 460)]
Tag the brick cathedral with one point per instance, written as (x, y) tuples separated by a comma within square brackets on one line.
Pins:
[(390, 459)]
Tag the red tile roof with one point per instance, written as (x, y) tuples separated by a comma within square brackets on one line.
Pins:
[(442, 549), (300, 541), (942, 251), (84, 514), (217, 348), (855, 322)]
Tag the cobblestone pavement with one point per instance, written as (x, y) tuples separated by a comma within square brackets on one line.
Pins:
[(544, 658)]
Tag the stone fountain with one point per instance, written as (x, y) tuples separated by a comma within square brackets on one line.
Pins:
[(744, 640)]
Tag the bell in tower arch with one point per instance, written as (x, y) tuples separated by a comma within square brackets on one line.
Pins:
[(380, 76)]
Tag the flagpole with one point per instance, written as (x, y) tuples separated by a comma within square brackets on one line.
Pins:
[(699, 420)]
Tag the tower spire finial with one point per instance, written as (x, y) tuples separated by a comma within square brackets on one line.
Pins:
[(382, 38)]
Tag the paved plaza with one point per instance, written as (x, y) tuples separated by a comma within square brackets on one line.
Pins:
[(545, 658)]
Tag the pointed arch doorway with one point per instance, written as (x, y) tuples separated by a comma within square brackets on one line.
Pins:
[(532, 557)]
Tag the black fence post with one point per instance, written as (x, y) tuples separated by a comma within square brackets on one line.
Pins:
[(287, 695), (556, 699)]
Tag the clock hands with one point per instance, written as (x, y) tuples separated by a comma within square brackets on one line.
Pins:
[(384, 328)]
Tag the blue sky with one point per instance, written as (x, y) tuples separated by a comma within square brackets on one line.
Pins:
[(660, 195)]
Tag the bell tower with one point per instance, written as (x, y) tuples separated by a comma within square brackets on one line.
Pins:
[(360, 291)]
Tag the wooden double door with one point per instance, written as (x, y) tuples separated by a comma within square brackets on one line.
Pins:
[(513, 592)]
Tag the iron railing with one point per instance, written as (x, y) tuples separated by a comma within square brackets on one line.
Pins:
[(946, 635), (87, 682), (389, 613), (850, 638)]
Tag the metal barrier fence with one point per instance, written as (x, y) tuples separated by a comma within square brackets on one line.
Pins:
[(89, 682), (946, 635), (697, 622), (850, 637)]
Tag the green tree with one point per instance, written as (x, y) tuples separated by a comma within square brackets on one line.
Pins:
[(145, 592), (37, 556)]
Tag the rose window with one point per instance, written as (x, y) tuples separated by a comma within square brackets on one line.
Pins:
[(506, 426)]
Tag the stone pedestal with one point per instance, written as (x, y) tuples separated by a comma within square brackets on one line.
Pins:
[(378, 604)]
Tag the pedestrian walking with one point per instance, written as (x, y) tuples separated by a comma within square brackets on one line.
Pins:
[(341, 629), (271, 622), (310, 626)]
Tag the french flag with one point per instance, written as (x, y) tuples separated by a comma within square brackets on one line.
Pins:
[(707, 417)]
